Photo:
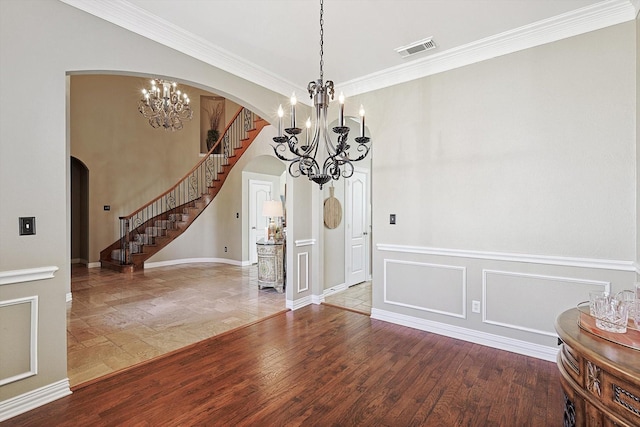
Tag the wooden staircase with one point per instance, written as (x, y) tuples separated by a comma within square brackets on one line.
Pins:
[(153, 226)]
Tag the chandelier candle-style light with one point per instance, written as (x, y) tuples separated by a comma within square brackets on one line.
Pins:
[(164, 105), (335, 158)]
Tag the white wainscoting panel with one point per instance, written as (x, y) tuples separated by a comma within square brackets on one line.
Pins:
[(443, 288), (541, 297), (303, 271), (24, 336)]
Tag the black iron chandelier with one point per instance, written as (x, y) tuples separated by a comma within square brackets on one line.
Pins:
[(335, 158), (164, 105)]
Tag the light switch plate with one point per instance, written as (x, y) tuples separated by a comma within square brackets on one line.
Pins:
[(392, 219), (27, 225)]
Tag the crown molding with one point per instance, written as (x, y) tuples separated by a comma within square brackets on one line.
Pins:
[(580, 21), (137, 20)]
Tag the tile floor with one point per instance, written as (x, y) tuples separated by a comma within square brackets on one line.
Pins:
[(118, 320), (357, 298)]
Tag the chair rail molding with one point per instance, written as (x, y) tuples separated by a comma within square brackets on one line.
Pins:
[(305, 242), (603, 264), (27, 275)]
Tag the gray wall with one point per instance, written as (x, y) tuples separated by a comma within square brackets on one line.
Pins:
[(513, 180), (514, 184), (41, 42)]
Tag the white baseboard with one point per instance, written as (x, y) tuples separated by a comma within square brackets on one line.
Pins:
[(184, 261), (299, 303), (69, 297), (490, 340), (335, 289), (148, 265), (26, 402)]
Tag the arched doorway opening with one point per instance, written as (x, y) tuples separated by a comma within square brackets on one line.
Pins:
[(79, 212), (263, 174)]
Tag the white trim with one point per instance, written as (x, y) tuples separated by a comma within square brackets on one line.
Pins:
[(156, 264), (33, 338), (27, 275), (255, 186), (306, 269), (32, 399), (139, 21), (299, 303), (463, 304), (304, 242), (606, 285), (69, 297), (490, 340), (590, 18), (185, 261), (514, 257), (317, 299), (335, 290)]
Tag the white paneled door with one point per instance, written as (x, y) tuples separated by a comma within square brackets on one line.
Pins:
[(259, 192), (356, 229)]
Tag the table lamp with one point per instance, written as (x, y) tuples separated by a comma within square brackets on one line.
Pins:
[(272, 209)]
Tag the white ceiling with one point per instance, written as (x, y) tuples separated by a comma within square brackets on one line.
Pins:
[(275, 43)]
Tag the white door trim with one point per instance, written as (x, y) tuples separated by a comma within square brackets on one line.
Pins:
[(349, 281), (255, 211)]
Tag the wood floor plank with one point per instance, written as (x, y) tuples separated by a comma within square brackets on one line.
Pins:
[(323, 366)]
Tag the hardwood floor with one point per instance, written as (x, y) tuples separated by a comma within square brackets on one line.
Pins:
[(324, 366)]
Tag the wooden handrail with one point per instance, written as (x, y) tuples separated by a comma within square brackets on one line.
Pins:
[(204, 158)]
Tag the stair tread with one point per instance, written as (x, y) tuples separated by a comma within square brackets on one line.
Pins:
[(166, 227)]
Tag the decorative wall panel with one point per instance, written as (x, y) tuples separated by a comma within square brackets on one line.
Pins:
[(18, 326), (510, 298), (435, 288), (303, 271)]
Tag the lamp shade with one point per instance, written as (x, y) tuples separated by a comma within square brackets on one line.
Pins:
[(272, 208)]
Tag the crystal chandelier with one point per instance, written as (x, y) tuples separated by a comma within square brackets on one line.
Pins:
[(336, 159), (164, 105)]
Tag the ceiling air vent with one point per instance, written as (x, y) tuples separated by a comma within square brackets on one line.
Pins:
[(416, 47)]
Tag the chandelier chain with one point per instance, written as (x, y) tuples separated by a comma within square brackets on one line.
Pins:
[(301, 147), (321, 40)]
